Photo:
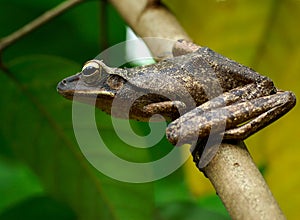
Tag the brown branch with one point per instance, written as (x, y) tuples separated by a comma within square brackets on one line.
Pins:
[(44, 18), (232, 171), (240, 185), (151, 19)]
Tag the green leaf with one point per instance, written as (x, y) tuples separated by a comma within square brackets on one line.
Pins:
[(187, 211), (16, 183), (40, 207), (213, 203), (38, 128)]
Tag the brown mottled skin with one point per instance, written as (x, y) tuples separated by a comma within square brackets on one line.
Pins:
[(200, 92)]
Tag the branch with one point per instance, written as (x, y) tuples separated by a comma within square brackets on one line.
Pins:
[(44, 18), (151, 19), (240, 185), (232, 171)]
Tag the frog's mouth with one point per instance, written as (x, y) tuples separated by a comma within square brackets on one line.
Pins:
[(72, 86)]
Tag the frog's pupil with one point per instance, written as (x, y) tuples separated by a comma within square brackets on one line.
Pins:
[(89, 70)]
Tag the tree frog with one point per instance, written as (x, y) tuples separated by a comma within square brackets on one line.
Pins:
[(196, 91)]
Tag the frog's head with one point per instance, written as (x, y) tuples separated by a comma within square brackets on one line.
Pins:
[(96, 82)]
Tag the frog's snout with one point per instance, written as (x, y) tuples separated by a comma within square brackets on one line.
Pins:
[(66, 83)]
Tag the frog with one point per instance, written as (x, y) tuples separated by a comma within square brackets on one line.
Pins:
[(199, 91)]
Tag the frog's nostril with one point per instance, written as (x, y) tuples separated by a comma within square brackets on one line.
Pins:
[(64, 82)]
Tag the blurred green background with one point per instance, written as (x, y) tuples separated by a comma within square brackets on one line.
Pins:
[(42, 171)]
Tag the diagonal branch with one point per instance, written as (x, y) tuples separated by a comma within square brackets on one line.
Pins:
[(232, 171), (44, 18), (151, 19)]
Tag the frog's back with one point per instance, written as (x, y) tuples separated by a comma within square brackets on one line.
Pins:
[(204, 74), (188, 72)]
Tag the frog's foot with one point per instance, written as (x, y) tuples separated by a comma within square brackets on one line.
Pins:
[(182, 47), (235, 121), (285, 100)]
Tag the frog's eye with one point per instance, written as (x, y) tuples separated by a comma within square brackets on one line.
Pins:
[(91, 72)]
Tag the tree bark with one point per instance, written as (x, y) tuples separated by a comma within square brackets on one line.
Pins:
[(240, 185), (232, 171)]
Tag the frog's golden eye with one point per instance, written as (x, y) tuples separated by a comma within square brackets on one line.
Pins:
[(91, 72)]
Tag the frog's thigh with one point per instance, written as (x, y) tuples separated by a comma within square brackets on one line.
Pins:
[(286, 101), (164, 107)]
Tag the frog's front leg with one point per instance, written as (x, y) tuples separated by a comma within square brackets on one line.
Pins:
[(236, 121), (170, 110)]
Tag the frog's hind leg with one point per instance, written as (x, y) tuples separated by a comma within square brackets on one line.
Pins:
[(236, 121), (286, 100)]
